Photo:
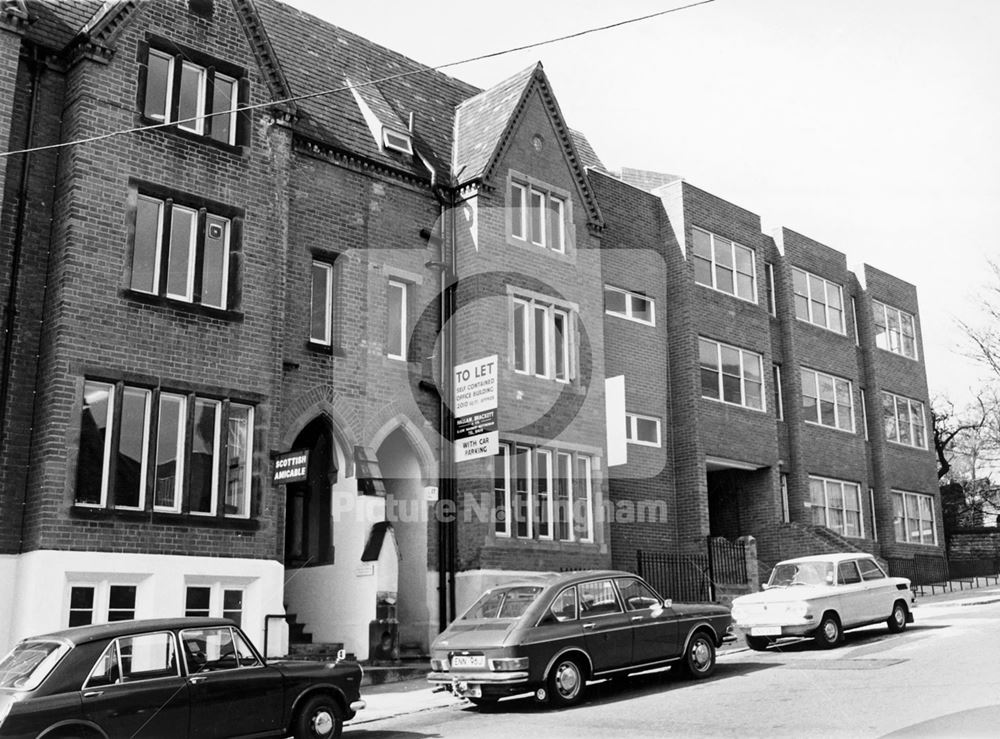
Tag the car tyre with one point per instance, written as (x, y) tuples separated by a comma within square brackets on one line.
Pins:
[(897, 619), (566, 682), (829, 633), (320, 717), (699, 657), (758, 643)]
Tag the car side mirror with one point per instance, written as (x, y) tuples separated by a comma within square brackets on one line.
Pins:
[(764, 586)]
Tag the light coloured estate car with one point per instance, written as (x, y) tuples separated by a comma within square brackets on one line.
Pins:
[(822, 596)]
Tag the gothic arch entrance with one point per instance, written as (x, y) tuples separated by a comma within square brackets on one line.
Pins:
[(308, 531), (407, 510)]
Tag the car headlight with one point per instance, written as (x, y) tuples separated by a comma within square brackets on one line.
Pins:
[(439, 665), (509, 664)]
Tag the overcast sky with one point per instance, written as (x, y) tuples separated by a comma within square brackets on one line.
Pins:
[(872, 126)]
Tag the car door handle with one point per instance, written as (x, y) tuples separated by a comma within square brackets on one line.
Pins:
[(196, 679), (636, 618), (588, 627), (93, 693)]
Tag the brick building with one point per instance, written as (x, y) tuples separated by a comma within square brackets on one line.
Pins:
[(208, 271)]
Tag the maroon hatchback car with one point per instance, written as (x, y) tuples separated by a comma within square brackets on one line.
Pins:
[(552, 633), (180, 677)]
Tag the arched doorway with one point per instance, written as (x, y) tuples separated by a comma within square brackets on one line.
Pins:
[(407, 511), (308, 530)]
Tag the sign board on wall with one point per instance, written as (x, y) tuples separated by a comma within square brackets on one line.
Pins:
[(291, 467), (475, 409)]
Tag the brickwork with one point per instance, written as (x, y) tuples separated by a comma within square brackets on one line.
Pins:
[(633, 259), (95, 327)]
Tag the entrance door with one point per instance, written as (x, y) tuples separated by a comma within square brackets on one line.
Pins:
[(308, 528)]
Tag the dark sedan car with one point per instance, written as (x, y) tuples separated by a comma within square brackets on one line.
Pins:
[(179, 677), (553, 633)]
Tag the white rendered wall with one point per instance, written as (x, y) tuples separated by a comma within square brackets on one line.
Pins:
[(42, 579)]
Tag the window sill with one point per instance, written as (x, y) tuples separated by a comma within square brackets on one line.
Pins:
[(814, 424), (505, 542), (238, 149), (910, 447), (567, 255), (328, 349), (749, 301), (898, 354), (727, 404), (166, 518), (233, 316), (630, 319), (822, 328)]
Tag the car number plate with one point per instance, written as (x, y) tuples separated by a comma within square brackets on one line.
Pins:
[(765, 631), (468, 660)]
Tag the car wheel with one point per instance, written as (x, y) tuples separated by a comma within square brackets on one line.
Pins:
[(699, 659), (320, 717), (829, 633), (566, 682), (758, 643), (897, 619)]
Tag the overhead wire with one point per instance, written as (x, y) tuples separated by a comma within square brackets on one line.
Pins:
[(243, 109)]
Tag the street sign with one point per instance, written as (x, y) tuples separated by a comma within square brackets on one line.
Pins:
[(475, 409)]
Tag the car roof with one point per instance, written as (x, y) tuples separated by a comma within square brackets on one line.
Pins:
[(97, 632), (837, 557), (547, 579)]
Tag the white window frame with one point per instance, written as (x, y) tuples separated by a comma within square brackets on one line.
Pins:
[(197, 125), (778, 400), (216, 456), (398, 352), (825, 300), (864, 413), (828, 483), (546, 527), (715, 265), (871, 512), (915, 409), (907, 522), (192, 246), (180, 461), (233, 104), (101, 587), (502, 517), (523, 333), (169, 85), (632, 428), (327, 334), (246, 494), (577, 488), (884, 340), (146, 395), (629, 313), (534, 201), (211, 219), (109, 422), (744, 356), (217, 590), (818, 420), (772, 303)]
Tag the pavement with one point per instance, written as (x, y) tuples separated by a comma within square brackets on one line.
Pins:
[(413, 694)]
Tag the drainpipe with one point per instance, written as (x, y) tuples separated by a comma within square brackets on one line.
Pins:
[(10, 321)]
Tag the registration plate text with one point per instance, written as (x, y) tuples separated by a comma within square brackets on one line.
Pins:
[(468, 660), (765, 631)]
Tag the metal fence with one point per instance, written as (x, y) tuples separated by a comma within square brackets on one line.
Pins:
[(693, 577), (933, 572)]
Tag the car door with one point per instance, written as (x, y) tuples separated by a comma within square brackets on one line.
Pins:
[(654, 628), (880, 592), (850, 594), (607, 629), (136, 688), (232, 692)]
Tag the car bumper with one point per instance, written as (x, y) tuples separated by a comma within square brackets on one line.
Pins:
[(776, 631), (476, 684)]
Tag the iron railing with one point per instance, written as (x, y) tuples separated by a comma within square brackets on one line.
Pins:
[(693, 577), (927, 571)]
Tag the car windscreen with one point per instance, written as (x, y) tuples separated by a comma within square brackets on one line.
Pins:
[(801, 573), (502, 603), (30, 662)]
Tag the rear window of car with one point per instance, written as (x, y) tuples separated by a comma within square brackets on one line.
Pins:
[(30, 662), (870, 570), (502, 603)]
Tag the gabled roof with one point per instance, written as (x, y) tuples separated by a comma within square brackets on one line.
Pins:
[(485, 123), (55, 25), (315, 56)]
